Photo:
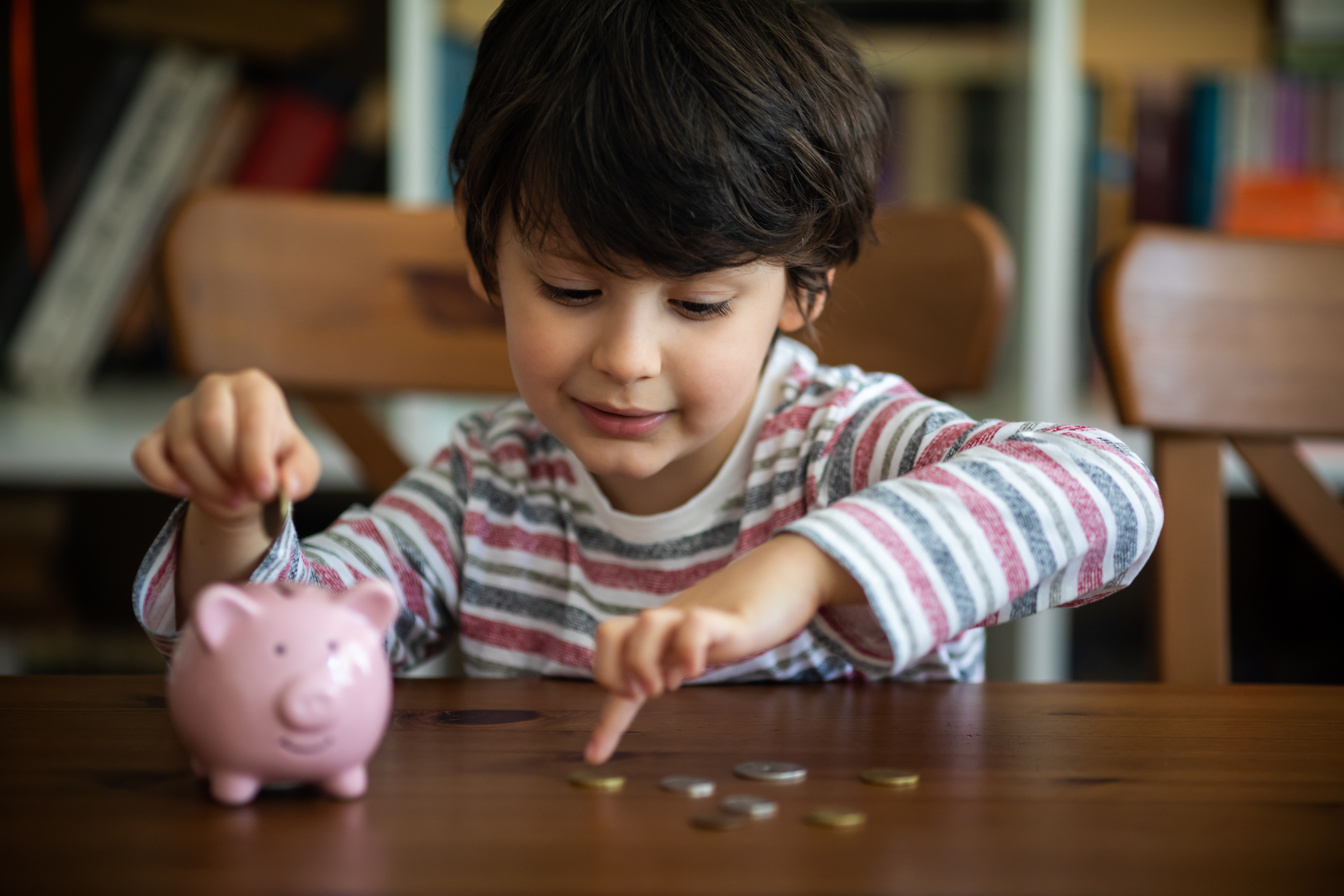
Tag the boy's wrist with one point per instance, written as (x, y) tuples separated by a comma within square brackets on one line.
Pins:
[(214, 549)]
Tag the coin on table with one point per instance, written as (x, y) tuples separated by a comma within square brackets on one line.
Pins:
[(835, 818), (719, 821), (695, 788), (890, 777), (592, 779), (774, 772), (750, 806)]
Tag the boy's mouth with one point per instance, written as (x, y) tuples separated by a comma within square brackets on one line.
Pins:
[(623, 422)]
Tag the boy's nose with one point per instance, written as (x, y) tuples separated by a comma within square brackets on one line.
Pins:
[(628, 350)]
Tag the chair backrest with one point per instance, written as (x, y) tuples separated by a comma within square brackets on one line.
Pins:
[(335, 296), (1210, 337)]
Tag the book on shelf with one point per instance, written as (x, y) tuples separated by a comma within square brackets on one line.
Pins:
[(116, 218), (139, 337), (93, 127), (290, 134), (455, 58), (299, 137), (1161, 148), (361, 164), (1253, 153)]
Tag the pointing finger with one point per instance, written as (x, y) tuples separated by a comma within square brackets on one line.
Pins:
[(617, 714)]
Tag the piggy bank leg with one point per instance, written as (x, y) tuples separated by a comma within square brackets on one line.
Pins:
[(197, 769), (349, 784), (233, 789)]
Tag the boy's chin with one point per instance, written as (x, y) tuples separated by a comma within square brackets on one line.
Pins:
[(630, 463)]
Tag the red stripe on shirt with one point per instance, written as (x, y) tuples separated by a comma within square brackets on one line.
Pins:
[(760, 533), (863, 454), (990, 521), (1089, 515), (945, 439), (609, 575), (412, 589), (984, 436), (934, 614), (433, 529), (525, 640), (154, 592), (1080, 434)]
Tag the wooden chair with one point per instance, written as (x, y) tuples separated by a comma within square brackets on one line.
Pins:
[(1209, 337), (336, 297)]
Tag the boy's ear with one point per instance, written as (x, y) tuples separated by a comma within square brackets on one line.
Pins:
[(791, 316), (474, 280)]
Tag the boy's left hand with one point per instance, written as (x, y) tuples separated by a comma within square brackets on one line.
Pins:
[(757, 602)]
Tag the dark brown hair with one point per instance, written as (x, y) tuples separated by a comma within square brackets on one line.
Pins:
[(685, 135)]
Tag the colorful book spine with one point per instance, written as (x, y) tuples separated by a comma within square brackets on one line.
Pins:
[(297, 142)]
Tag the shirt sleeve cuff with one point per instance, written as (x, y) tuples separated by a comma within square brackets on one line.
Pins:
[(154, 595), (861, 633)]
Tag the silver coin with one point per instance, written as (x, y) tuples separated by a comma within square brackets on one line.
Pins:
[(775, 772), (750, 806), (695, 788)]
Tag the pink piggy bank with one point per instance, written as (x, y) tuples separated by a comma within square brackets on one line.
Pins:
[(283, 683)]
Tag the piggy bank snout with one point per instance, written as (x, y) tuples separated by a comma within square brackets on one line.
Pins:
[(309, 703)]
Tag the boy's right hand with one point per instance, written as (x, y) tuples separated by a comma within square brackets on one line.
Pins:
[(228, 446)]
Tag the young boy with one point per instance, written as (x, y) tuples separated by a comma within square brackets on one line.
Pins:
[(653, 192)]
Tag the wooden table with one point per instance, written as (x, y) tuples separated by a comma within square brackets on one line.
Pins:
[(1036, 789)]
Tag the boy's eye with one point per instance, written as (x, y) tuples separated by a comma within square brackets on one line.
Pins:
[(566, 296), (703, 309)]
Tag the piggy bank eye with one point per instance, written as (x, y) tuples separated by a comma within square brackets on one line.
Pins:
[(279, 649), (332, 646)]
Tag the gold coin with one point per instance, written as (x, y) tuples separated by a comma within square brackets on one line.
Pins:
[(835, 818), (719, 821), (592, 779), (890, 777), (274, 514)]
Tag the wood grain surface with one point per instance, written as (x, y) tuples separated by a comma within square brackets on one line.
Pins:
[(1076, 788)]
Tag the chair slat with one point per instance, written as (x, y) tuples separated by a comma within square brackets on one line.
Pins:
[(1222, 334), (1292, 485)]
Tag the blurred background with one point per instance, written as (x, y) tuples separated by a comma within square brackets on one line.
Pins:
[(1068, 120)]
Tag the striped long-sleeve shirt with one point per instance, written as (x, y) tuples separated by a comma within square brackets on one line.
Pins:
[(505, 543)]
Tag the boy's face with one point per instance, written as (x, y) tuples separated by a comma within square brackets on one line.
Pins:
[(648, 381)]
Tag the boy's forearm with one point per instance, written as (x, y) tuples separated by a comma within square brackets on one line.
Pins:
[(211, 551), (779, 585), (832, 582)]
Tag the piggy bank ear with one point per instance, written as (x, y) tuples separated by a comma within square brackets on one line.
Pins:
[(375, 600), (219, 610)]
